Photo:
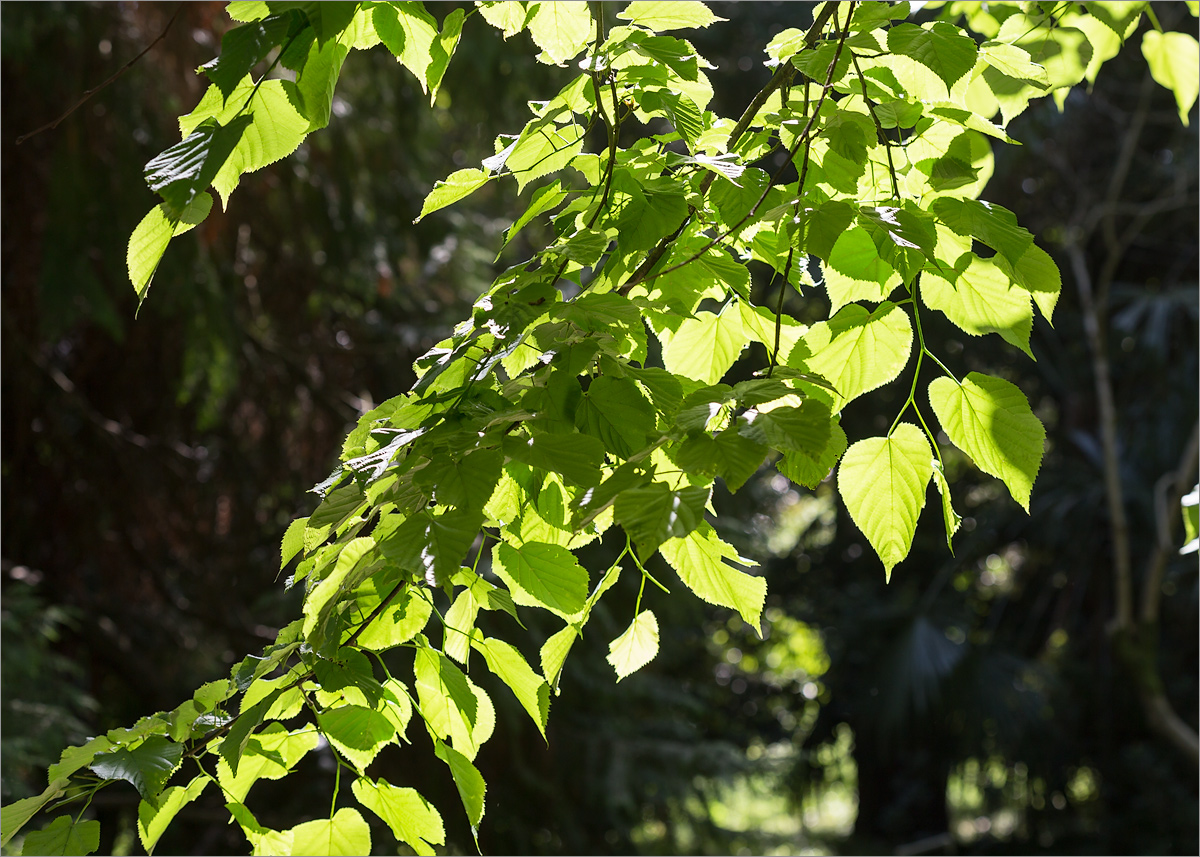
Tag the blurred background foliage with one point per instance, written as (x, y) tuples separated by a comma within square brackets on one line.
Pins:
[(974, 705)]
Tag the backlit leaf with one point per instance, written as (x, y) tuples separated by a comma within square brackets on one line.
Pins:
[(153, 818), (541, 575), (856, 350), (510, 667), (347, 833), (982, 300), (63, 836), (942, 48), (147, 766), (699, 560), (1174, 60), (636, 647), (678, 14), (413, 820)]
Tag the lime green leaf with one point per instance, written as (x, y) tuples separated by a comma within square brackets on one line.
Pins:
[(856, 350), (509, 18), (442, 50), (576, 457), (541, 575), (544, 199), (699, 560), (950, 517), (471, 787), (269, 755), (147, 766), (263, 839), (465, 482), (312, 95), (456, 186), (510, 667), (677, 14), (150, 238), (982, 300), (275, 132), (1064, 52), (543, 148), (904, 237), (399, 622), (1037, 274), (855, 271), (730, 455), (882, 481), (153, 818), (942, 48), (1013, 62), (357, 732), (435, 544), (562, 29), (413, 820), (990, 420), (64, 836), (452, 705), (1174, 60), (555, 650), (459, 622), (804, 470), (408, 31), (17, 814), (655, 513), (247, 10), (347, 833), (293, 541), (235, 740), (636, 647), (706, 346), (187, 168)]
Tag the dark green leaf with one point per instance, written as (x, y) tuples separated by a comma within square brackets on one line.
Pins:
[(729, 455), (618, 413), (942, 48), (803, 470), (465, 482), (146, 766), (653, 514), (244, 47), (188, 167), (434, 545), (64, 836), (576, 457), (992, 224)]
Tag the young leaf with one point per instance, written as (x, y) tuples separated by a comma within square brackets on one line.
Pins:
[(347, 833), (981, 300), (856, 350), (63, 836), (269, 755), (235, 740), (153, 818), (408, 31), (706, 346), (940, 47), (636, 647), (357, 732), (510, 667), (454, 187), (471, 787), (678, 14), (1174, 59), (990, 420), (413, 820), (541, 575), (17, 814), (882, 481), (562, 29), (950, 517), (699, 560), (150, 238)]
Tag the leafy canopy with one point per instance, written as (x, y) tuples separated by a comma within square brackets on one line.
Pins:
[(546, 421)]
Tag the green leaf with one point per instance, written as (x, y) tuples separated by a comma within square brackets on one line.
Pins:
[(541, 575), (575, 457), (508, 18), (1037, 274), (804, 429), (187, 168), (413, 820), (855, 271), (981, 300), (1174, 60), (293, 541), (699, 560), (235, 740), (675, 15), (263, 839), (509, 666), (617, 412), (442, 50), (471, 787), (562, 29), (904, 237), (276, 131), (269, 755), (456, 186), (804, 470), (644, 211), (465, 482), (555, 650), (990, 420), (636, 647), (357, 732), (244, 47), (312, 94), (992, 224), (882, 481), (408, 31), (150, 238), (147, 766), (347, 833), (654, 513), (950, 518), (1189, 508), (942, 48), (64, 836), (729, 455), (17, 814), (434, 545), (153, 818), (544, 199), (704, 347), (856, 350), (543, 148)]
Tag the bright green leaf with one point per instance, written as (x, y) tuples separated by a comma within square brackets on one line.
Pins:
[(942, 48), (358, 733), (882, 481), (562, 29), (413, 820), (1174, 60), (982, 300), (453, 188), (153, 818), (471, 787), (950, 518), (510, 667), (541, 575), (347, 833), (636, 647), (699, 560), (856, 350), (678, 14), (150, 238), (990, 420), (269, 755), (704, 347)]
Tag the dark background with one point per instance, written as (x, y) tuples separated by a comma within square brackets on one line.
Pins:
[(151, 466)]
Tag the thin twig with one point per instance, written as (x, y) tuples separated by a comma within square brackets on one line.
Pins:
[(50, 126)]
